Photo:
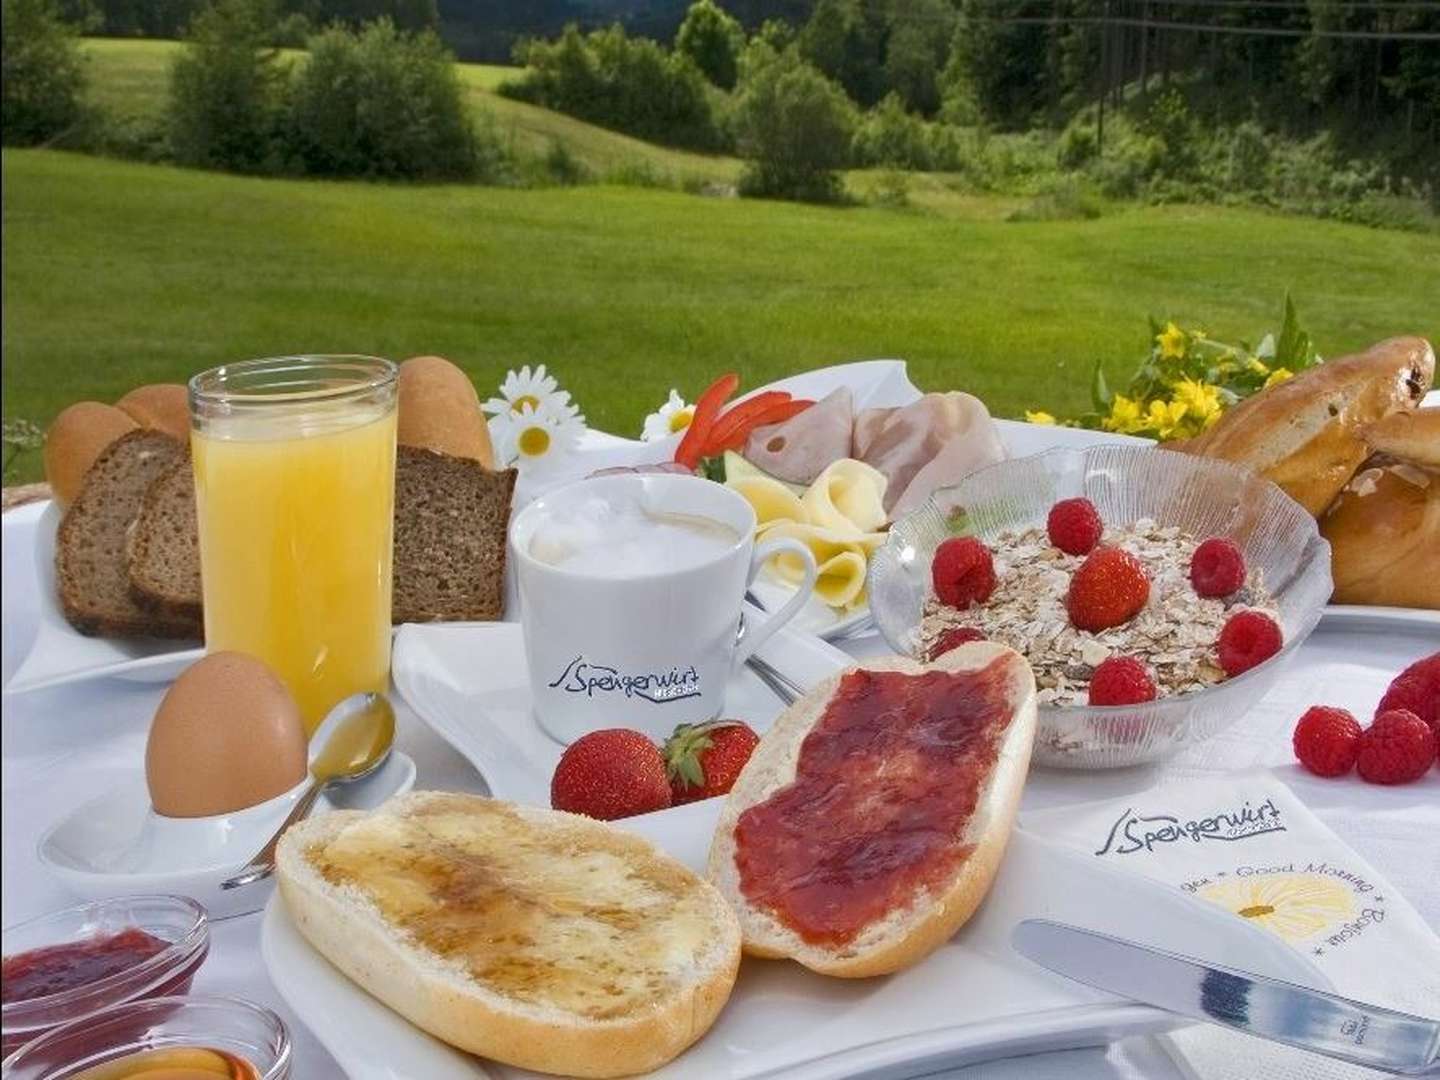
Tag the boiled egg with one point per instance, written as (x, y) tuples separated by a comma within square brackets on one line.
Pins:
[(227, 736)]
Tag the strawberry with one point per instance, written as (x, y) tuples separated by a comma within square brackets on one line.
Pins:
[(1108, 589), (703, 760), (610, 774)]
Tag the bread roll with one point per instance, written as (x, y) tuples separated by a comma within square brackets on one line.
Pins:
[(537, 938), (874, 822), (1407, 436), (76, 438), (1384, 533), (160, 406), (439, 410), (1305, 433)]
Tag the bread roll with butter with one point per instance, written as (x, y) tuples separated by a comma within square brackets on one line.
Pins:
[(440, 410), (537, 938), (1305, 434), (75, 439), (871, 804), (1384, 534)]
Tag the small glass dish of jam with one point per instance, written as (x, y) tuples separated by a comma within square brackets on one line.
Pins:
[(69, 964), (198, 1037)]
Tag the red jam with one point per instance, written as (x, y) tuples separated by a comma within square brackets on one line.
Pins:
[(57, 968), (885, 783)]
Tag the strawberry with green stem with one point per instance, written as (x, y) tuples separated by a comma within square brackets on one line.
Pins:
[(704, 760)]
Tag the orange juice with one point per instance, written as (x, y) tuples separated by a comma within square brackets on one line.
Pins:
[(296, 510)]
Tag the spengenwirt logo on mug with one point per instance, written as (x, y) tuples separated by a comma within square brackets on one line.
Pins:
[(658, 687), (1135, 831)]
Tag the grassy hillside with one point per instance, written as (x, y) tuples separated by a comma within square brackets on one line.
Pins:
[(130, 79), (118, 273)]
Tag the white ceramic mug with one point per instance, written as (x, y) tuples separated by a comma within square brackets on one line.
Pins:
[(652, 649)]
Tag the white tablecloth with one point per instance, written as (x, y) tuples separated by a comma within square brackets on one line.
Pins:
[(64, 746)]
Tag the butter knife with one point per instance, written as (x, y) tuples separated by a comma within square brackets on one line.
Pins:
[(1254, 1004)]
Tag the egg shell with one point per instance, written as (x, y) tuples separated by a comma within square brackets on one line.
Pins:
[(227, 736)]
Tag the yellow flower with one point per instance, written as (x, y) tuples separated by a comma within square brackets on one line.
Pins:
[(1225, 367), (1257, 365), (1171, 341), (1038, 416), (1201, 400), (1165, 417), (1292, 906), (1210, 421), (1279, 375), (1125, 416)]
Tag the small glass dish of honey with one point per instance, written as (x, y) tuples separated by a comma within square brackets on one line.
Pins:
[(197, 1037), (64, 966)]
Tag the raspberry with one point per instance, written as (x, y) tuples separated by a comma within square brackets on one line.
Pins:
[(1121, 680), (1248, 638), (953, 639), (1417, 688), (1217, 568), (1107, 590), (1074, 526), (963, 572), (1326, 740), (1397, 748)]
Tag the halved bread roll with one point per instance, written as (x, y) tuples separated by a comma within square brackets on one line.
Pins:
[(1408, 436), (1305, 433), (537, 938), (869, 822)]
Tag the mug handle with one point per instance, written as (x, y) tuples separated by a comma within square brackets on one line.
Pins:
[(755, 636)]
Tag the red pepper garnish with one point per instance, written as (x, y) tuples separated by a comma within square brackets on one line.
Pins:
[(738, 418), (707, 409), (775, 413)]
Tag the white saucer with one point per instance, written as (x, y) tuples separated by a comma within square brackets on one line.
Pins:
[(972, 1000), (470, 683), (116, 845)]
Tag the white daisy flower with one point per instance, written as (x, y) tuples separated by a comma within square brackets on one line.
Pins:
[(528, 388), (673, 417), (541, 437)]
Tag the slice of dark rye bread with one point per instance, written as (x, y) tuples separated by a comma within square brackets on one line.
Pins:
[(451, 515), (164, 546), (91, 568), (451, 518)]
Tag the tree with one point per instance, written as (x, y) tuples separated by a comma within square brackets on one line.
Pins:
[(777, 33), (915, 52), (379, 102), (843, 42), (795, 127), (43, 73), (712, 39), (227, 89)]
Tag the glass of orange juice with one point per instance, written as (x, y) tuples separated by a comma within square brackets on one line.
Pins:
[(295, 489)]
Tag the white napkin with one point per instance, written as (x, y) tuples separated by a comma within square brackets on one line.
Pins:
[(1247, 843)]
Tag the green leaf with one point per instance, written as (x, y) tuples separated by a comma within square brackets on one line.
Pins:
[(1293, 349), (1100, 393), (713, 468)]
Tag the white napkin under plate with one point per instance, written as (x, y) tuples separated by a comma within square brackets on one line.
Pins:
[(1247, 843)]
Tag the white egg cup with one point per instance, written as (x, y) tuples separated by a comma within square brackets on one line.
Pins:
[(117, 845)]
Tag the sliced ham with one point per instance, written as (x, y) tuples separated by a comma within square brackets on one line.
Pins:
[(798, 450), (926, 445)]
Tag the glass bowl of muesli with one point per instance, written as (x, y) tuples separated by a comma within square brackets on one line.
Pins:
[(1157, 505)]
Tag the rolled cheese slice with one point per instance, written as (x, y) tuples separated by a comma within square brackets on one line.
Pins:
[(770, 499), (840, 561), (848, 498)]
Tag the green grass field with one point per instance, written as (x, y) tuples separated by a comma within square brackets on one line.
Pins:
[(117, 274)]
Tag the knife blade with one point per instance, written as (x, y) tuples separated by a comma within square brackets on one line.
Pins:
[(1284, 1012)]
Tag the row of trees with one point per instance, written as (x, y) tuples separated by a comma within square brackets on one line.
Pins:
[(370, 101)]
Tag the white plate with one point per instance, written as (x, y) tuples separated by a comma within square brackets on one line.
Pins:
[(115, 845), (58, 653), (972, 1000), (469, 682)]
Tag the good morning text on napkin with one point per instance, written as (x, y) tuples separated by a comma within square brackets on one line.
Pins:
[(1248, 844)]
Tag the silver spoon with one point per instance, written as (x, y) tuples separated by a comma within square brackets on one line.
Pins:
[(780, 684), (351, 743)]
